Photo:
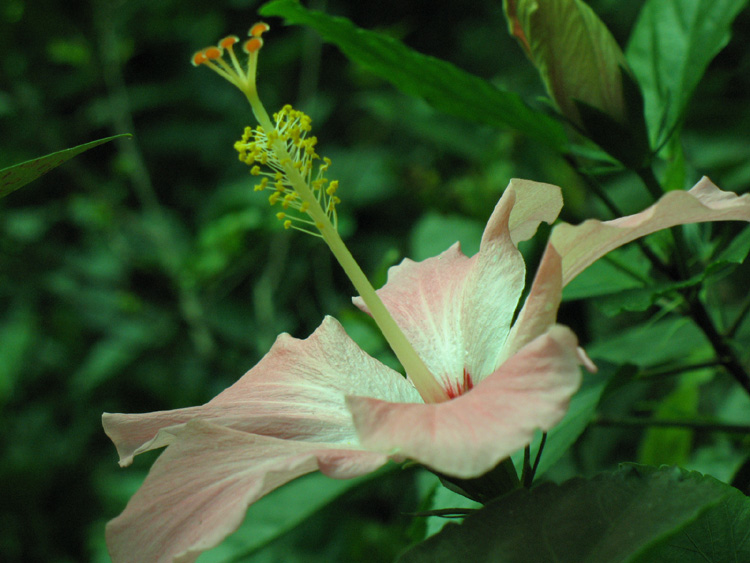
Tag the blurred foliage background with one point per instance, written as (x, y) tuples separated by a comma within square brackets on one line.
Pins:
[(146, 274)]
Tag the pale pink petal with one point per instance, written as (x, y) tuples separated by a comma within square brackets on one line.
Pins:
[(582, 245), (469, 435), (572, 249), (295, 392), (456, 311), (199, 489), (535, 203), (497, 279), (539, 312)]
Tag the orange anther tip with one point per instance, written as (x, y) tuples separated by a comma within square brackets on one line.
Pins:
[(212, 53), (259, 29), (252, 45), (228, 41), (198, 58)]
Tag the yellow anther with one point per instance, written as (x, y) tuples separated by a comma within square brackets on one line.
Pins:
[(274, 197), (332, 187), (287, 224), (280, 215), (255, 170)]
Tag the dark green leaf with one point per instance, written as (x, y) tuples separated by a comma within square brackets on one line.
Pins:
[(641, 298), (669, 50), (654, 343), (612, 517), (720, 534), (279, 512), (444, 86), (18, 175), (621, 269)]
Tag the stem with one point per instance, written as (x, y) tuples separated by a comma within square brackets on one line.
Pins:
[(638, 422), (653, 374), (529, 471), (724, 352), (526, 471), (538, 455), (738, 321), (417, 371), (649, 180)]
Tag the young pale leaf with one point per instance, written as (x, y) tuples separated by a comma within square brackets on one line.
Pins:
[(669, 50), (612, 517), (439, 83), (18, 175), (576, 55)]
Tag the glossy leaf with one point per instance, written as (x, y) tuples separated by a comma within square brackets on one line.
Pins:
[(612, 517), (18, 175), (444, 86), (670, 48), (720, 534)]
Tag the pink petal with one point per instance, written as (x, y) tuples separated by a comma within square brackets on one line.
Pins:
[(539, 311), (456, 311), (584, 244), (572, 249), (295, 392), (199, 489), (469, 435)]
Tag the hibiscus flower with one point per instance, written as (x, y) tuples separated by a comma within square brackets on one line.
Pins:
[(477, 385), (324, 404)]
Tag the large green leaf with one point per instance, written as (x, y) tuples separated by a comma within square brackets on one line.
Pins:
[(669, 50), (612, 517), (445, 87), (720, 534), (18, 175)]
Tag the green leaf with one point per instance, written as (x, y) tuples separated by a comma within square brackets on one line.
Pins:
[(574, 52), (720, 534), (637, 299), (611, 518), (435, 233), (444, 86), (580, 412), (654, 343), (621, 269), (279, 512), (672, 446), (669, 50), (18, 175)]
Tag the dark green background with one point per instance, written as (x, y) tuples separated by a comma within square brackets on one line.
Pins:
[(146, 274)]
